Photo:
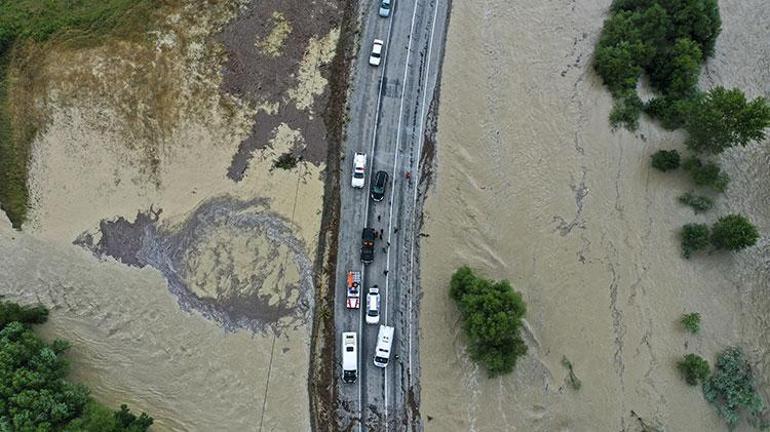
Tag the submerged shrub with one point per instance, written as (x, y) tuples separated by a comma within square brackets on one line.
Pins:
[(286, 161), (731, 388), (665, 160), (670, 111), (707, 174), (694, 237), (691, 322), (698, 203), (626, 110), (693, 368), (733, 232)]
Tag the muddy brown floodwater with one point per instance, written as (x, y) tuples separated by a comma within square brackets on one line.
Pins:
[(533, 186), (174, 256)]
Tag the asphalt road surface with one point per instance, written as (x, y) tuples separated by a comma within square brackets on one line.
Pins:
[(388, 107)]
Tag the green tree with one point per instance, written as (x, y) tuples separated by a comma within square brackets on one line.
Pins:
[(626, 110), (694, 237), (696, 19), (731, 388), (671, 111), (34, 395), (707, 174), (724, 118), (693, 368), (665, 160), (10, 312), (691, 322), (675, 71), (492, 314), (733, 232)]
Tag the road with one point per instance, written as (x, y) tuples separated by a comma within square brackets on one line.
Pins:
[(387, 110)]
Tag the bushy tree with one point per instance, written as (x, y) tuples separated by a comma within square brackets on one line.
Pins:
[(668, 40), (724, 118), (694, 237), (492, 314), (675, 71), (665, 160), (10, 312), (707, 174), (34, 395), (693, 368), (625, 112), (733, 232), (731, 388), (696, 19), (670, 111), (698, 203), (691, 322)]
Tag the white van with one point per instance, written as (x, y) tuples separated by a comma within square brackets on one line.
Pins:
[(349, 357), (384, 342)]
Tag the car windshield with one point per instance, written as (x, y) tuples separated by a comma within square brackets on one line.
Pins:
[(358, 175), (385, 5)]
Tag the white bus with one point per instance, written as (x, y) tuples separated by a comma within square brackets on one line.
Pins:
[(384, 343), (349, 357)]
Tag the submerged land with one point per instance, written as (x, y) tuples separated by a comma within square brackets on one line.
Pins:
[(532, 185), (173, 252)]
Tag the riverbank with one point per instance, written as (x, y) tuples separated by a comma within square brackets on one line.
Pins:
[(532, 186)]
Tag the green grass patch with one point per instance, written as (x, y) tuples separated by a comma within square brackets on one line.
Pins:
[(72, 23)]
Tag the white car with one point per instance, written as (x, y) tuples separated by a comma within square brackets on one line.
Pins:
[(373, 306), (385, 6), (359, 170), (376, 56)]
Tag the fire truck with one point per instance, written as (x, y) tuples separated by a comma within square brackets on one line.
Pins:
[(354, 290)]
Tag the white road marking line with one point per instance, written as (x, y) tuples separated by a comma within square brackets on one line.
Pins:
[(417, 183), (393, 189)]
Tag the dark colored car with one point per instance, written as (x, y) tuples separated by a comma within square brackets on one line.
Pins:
[(379, 183), (367, 245)]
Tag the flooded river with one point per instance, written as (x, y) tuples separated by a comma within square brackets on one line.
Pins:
[(533, 186)]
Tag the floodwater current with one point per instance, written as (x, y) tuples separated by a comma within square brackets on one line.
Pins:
[(533, 186)]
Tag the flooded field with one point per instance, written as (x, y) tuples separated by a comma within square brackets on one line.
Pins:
[(533, 186), (174, 255)]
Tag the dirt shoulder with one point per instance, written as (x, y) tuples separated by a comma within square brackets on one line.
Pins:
[(321, 375)]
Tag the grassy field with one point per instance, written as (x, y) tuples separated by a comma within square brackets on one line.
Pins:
[(49, 24)]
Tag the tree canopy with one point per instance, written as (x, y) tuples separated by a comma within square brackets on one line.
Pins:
[(34, 394), (667, 40), (492, 313), (733, 232), (731, 388), (723, 118)]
